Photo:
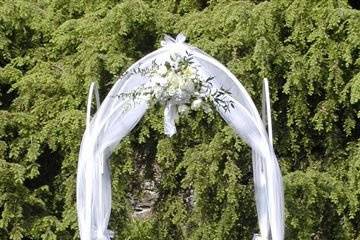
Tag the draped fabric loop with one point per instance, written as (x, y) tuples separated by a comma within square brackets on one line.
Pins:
[(111, 123)]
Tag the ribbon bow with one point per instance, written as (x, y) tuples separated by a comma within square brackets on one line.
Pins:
[(169, 41)]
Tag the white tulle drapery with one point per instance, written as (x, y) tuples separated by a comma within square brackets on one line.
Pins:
[(111, 123)]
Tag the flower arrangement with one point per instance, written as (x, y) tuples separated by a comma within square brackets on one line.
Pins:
[(179, 82)]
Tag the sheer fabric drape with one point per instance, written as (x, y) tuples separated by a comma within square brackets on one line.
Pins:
[(111, 123)]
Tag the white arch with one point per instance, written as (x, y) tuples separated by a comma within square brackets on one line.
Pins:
[(110, 124)]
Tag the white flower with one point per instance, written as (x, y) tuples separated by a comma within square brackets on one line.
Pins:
[(189, 86), (163, 70), (183, 109), (172, 78), (171, 91), (157, 91), (196, 104), (179, 82), (160, 81), (188, 72)]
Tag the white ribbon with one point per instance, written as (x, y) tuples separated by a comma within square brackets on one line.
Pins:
[(176, 45), (170, 114), (170, 41)]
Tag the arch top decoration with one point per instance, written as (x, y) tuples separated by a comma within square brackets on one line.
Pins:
[(180, 77)]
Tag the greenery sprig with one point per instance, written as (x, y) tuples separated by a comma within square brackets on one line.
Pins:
[(178, 80)]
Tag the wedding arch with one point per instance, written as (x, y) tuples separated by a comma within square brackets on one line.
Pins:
[(181, 77)]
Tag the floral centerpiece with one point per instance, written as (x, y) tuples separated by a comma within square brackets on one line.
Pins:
[(179, 86)]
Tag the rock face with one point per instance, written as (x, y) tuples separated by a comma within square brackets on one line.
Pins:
[(146, 194), (144, 203)]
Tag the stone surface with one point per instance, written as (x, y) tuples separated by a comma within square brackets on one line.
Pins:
[(143, 205)]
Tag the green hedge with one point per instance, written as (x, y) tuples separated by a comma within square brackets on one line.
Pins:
[(50, 52)]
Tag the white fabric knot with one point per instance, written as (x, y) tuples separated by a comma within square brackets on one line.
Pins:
[(170, 41), (104, 235)]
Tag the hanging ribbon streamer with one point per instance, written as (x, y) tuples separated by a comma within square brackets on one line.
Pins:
[(170, 114)]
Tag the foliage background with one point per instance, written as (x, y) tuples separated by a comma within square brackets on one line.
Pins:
[(51, 50)]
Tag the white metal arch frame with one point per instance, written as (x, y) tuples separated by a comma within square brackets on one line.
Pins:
[(109, 125)]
